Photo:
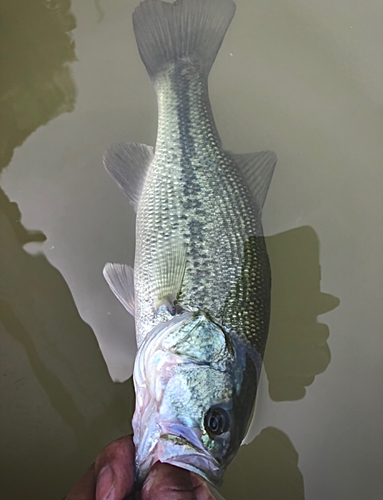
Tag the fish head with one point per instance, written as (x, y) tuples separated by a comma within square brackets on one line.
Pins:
[(195, 390)]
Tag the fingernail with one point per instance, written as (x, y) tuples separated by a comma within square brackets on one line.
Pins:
[(105, 484)]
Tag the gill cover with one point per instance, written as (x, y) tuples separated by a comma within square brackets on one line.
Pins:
[(195, 387)]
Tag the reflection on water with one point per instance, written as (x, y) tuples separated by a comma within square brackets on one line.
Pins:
[(61, 355), (36, 83)]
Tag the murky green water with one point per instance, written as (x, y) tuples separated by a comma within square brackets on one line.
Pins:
[(301, 78)]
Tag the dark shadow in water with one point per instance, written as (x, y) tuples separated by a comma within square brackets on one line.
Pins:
[(297, 348), (266, 470), (38, 311), (36, 305), (36, 84), (296, 353)]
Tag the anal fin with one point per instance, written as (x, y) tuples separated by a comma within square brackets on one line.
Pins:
[(128, 164), (120, 278)]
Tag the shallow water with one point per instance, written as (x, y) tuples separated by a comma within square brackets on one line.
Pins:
[(301, 78)]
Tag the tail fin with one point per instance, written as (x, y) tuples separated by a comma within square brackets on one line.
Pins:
[(187, 29)]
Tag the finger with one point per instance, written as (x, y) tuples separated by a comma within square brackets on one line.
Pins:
[(85, 488), (115, 470), (201, 488), (166, 482)]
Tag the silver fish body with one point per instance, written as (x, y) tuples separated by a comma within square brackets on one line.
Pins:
[(200, 292), (194, 191)]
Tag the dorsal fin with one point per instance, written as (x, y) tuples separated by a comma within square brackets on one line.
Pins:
[(258, 169), (169, 268), (128, 164), (120, 278)]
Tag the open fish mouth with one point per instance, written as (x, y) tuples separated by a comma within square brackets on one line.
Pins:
[(179, 446)]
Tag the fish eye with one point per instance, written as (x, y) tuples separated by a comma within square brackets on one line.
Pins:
[(217, 421)]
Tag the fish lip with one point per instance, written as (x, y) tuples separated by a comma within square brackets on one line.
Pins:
[(193, 456), (208, 467), (187, 462)]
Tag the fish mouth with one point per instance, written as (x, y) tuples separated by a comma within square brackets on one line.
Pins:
[(180, 446)]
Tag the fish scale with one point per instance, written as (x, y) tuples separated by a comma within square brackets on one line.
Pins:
[(193, 187)]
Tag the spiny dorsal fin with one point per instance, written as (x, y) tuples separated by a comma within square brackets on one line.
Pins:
[(258, 169), (120, 278), (128, 164), (169, 269)]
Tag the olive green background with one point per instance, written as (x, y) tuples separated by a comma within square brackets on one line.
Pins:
[(302, 78)]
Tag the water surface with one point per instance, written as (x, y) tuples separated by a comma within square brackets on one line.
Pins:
[(301, 78)]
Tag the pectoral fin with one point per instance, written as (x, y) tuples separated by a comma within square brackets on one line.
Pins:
[(169, 268), (258, 169), (128, 165), (120, 278)]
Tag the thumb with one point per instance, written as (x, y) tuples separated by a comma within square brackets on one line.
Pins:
[(114, 469), (166, 482)]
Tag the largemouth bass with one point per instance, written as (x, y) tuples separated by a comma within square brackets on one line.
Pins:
[(200, 288)]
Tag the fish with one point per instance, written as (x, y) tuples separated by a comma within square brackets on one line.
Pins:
[(200, 287)]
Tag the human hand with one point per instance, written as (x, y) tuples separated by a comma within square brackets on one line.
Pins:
[(111, 477)]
